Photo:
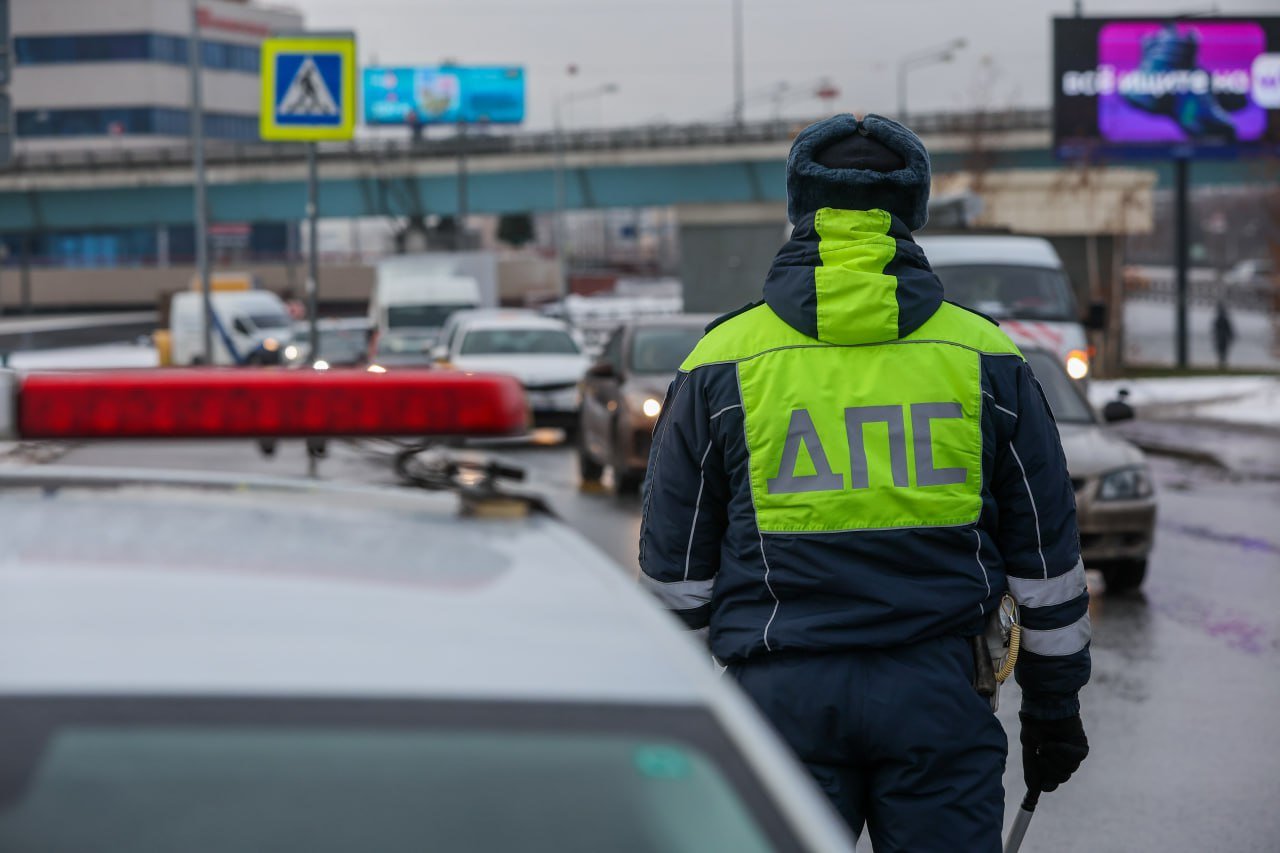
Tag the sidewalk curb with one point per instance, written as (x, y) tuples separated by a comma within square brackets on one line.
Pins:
[(1196, 453), (1187, 454)]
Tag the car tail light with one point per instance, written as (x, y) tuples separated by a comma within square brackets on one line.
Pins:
[(210, 403)]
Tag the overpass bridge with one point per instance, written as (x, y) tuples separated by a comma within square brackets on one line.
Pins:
[(508, 173)]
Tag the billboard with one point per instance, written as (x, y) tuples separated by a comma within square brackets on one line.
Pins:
[(444, 95), (1144, 87)]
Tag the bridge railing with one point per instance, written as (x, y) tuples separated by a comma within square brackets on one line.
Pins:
[(480, 142)]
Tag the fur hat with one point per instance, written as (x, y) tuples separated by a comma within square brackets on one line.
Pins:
[(848, 164)]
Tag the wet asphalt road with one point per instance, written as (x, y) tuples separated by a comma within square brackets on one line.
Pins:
[(1183, 713)]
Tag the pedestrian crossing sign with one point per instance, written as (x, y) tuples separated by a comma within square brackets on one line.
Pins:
[(308, 88)]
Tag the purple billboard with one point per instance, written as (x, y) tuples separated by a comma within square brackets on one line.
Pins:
[(1197, 87)]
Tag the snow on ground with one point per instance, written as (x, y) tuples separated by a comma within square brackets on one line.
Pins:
[(1249, 400), (74, 358), (1148, 330)]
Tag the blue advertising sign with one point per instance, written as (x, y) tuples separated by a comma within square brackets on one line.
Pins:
[(444, 95)]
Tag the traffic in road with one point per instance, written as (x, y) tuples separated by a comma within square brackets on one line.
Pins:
[(780, 449)]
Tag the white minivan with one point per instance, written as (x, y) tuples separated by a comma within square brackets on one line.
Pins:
[(1020, 282), (249, 327), (412, 298)]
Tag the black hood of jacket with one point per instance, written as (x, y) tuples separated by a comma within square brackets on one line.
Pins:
[(852, 277)]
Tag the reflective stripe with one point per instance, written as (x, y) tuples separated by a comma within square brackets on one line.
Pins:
[(1013, 415), (1048, 592), (680, 595), (1035, 513), (1060, 641), (697, 505), (977, 554)]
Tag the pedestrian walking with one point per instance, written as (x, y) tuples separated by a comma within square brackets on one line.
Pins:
[(845, 479), (1224, 333)]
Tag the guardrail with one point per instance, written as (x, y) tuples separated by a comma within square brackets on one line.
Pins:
[(480, 142), (32, 333)]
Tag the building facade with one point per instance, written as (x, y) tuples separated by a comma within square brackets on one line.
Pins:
[(115, 73)]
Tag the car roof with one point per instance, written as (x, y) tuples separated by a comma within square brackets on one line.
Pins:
[(956, 250), (514, 321), (200, 583), (667, 320)]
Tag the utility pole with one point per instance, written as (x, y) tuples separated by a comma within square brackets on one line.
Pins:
[(1181, 253), (313, 250), (197, 161), (460, 229), (560, 231), (738, 76)]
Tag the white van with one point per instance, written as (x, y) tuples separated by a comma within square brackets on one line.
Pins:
[(249, 327), (412, 298), (1018, 281)]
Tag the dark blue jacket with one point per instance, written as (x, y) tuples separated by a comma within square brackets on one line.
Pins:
[(854, 463)]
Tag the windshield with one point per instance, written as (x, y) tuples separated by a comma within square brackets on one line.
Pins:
[(1005, 290), (517, 341), (401, 344), (661, 349), (317, 777), (1065, 402), (421, 316), (337, 345), (269, 320)]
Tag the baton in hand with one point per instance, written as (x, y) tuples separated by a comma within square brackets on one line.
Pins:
[(1021, 822)]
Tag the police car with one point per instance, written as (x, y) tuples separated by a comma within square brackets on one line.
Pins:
[(204, 662)]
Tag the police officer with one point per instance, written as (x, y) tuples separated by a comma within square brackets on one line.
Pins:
[(845, 478)]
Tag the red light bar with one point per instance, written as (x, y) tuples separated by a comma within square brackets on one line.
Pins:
[(207, 403)]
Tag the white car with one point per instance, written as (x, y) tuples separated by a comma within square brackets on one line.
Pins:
[(544, 354), (214, 662)]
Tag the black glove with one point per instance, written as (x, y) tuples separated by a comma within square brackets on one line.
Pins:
[(1051, 750)]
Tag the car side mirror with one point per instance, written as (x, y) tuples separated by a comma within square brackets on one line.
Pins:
[(1096, 319), (1119, 409), (602, 370)]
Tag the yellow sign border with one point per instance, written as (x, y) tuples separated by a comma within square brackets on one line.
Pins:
[(272, 48)]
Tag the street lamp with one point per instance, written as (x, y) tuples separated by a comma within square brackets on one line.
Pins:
[(932, 56), (558, 230)]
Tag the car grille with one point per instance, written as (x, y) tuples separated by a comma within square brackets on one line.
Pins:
[(554, 386)]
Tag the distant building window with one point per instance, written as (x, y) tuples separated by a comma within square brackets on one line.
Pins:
[(131, 121), (132, 47)]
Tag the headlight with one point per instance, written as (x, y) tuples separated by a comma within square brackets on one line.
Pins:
[(376, 368), (1126, 484), (290, 352), (646, 403), (271, 345), (320, 364), (1077, 364)]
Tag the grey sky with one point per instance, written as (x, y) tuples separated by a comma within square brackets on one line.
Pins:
[(671, 59)]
